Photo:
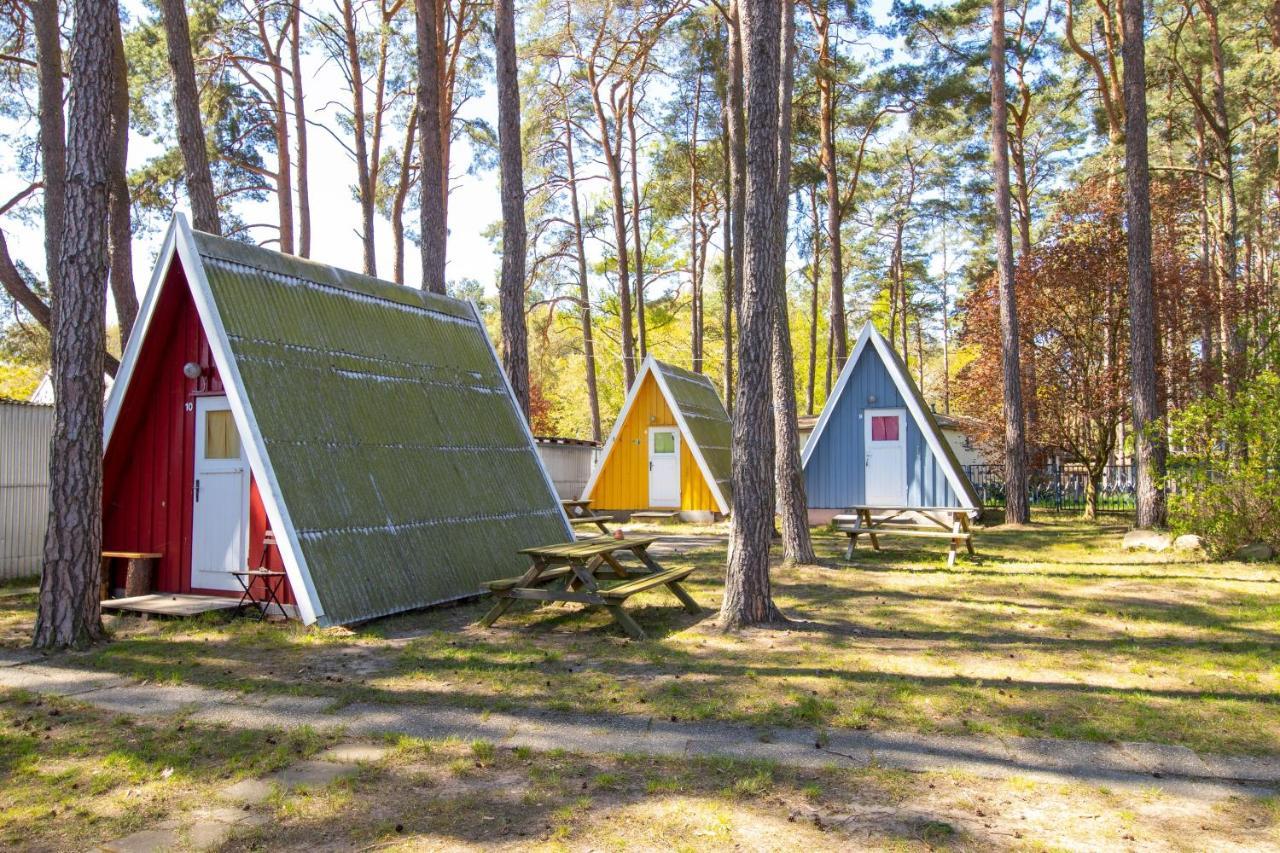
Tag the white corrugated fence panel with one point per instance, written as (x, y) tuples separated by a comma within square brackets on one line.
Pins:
[(24, 486)]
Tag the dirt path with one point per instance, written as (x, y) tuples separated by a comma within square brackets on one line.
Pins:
[(1124, 765)]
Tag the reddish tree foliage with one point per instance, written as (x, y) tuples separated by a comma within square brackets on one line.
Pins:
[(1073, 315)]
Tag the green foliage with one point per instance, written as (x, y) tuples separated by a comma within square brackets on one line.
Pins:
[(1224, 473)]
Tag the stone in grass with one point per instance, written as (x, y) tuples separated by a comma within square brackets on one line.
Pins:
[(1147, 540), (1255, 552), (1188, 542)]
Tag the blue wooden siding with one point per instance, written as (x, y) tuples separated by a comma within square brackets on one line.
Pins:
[(835, 472)]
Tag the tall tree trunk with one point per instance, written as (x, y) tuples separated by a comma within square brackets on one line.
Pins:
[(728, 289), (1017, 510), (53, 133), (695, 287), (431, 164), (737, 147), (793, 506), (121, 225), (813, 303), (827, 142), (364, 177), (186, 107), (637, 210), (1147, 430), (748, 599), (402, 196), (584, 293), (300, 132), (284, 155), (69, 611), (515, 345)]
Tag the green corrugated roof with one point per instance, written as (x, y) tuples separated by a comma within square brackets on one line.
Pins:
[(401, 458), (704, 415)]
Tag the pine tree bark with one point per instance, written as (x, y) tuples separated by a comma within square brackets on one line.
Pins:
[(793, 506), (301, 162), (637, 210), (1147, 427), (186, 107), (827, 142), (53, 132), (737, 147), (69, 611), (1017, 510), (431, 162), (748, 597), (727, 292), (515, 345), (402, 196), (816, 275), (121, 215)]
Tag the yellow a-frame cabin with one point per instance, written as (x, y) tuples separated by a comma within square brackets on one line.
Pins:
[(669, 449)]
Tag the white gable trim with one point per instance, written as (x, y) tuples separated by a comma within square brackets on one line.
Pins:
[(632, 393), (712, 483), (902, 382), (646, 368), (524, 423), (129, 361), (295, 564)]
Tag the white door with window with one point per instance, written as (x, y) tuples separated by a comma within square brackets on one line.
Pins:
[(886, 451), (220, 508), (664, 467)]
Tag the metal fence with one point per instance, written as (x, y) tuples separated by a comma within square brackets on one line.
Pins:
[(24, 486), (1058, 488)]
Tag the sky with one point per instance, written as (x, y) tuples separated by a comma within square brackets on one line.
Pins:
[(474, 204)]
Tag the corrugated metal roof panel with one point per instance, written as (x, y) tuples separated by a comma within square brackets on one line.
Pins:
[(406, 468), (706, 419)]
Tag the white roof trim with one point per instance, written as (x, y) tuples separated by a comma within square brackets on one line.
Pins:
[(869, 333), (712, 483), (295, 564), (528, 432), (129, 361), (646, 368)]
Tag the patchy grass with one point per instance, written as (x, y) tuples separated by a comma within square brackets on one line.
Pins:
[(75, 776), (1052, 631)]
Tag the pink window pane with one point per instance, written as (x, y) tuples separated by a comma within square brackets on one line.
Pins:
[(884, 427)]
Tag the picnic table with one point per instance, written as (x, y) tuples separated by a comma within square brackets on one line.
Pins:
[(572, 571), (930, 522), (580, 512)]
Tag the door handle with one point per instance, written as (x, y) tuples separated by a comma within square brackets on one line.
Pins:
[(867, 462), (197, 491)]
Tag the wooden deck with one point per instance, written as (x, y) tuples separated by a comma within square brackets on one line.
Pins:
[(170, 604)]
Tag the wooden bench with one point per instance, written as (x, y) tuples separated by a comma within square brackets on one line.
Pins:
[(139, 576), (949, 523), (580, 512), (571, 571)]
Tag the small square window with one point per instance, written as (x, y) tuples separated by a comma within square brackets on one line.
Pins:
[(664, 442), (884, 427), (221, 440)]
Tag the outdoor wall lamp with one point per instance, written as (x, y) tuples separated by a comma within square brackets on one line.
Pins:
[(871, 399), (191, 370)]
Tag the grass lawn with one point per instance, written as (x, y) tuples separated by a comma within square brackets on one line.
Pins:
[(76, 777), (1052, 631)]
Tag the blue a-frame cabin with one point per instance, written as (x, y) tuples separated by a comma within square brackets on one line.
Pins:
[(877, 442)]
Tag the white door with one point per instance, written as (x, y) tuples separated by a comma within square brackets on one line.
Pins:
[(886, 450), (664, 467), (220, 509)]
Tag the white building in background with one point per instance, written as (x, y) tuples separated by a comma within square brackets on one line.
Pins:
[(25, 429)]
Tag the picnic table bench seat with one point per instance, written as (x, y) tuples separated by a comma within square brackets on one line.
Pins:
[(581, 565), (950, 523)]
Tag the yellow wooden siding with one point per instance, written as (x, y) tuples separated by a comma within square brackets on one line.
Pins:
[(623, 483)]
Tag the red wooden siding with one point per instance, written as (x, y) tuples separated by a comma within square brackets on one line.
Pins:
[(147, 471)]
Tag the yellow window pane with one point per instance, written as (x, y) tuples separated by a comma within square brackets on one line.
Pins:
[(221, 441)]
